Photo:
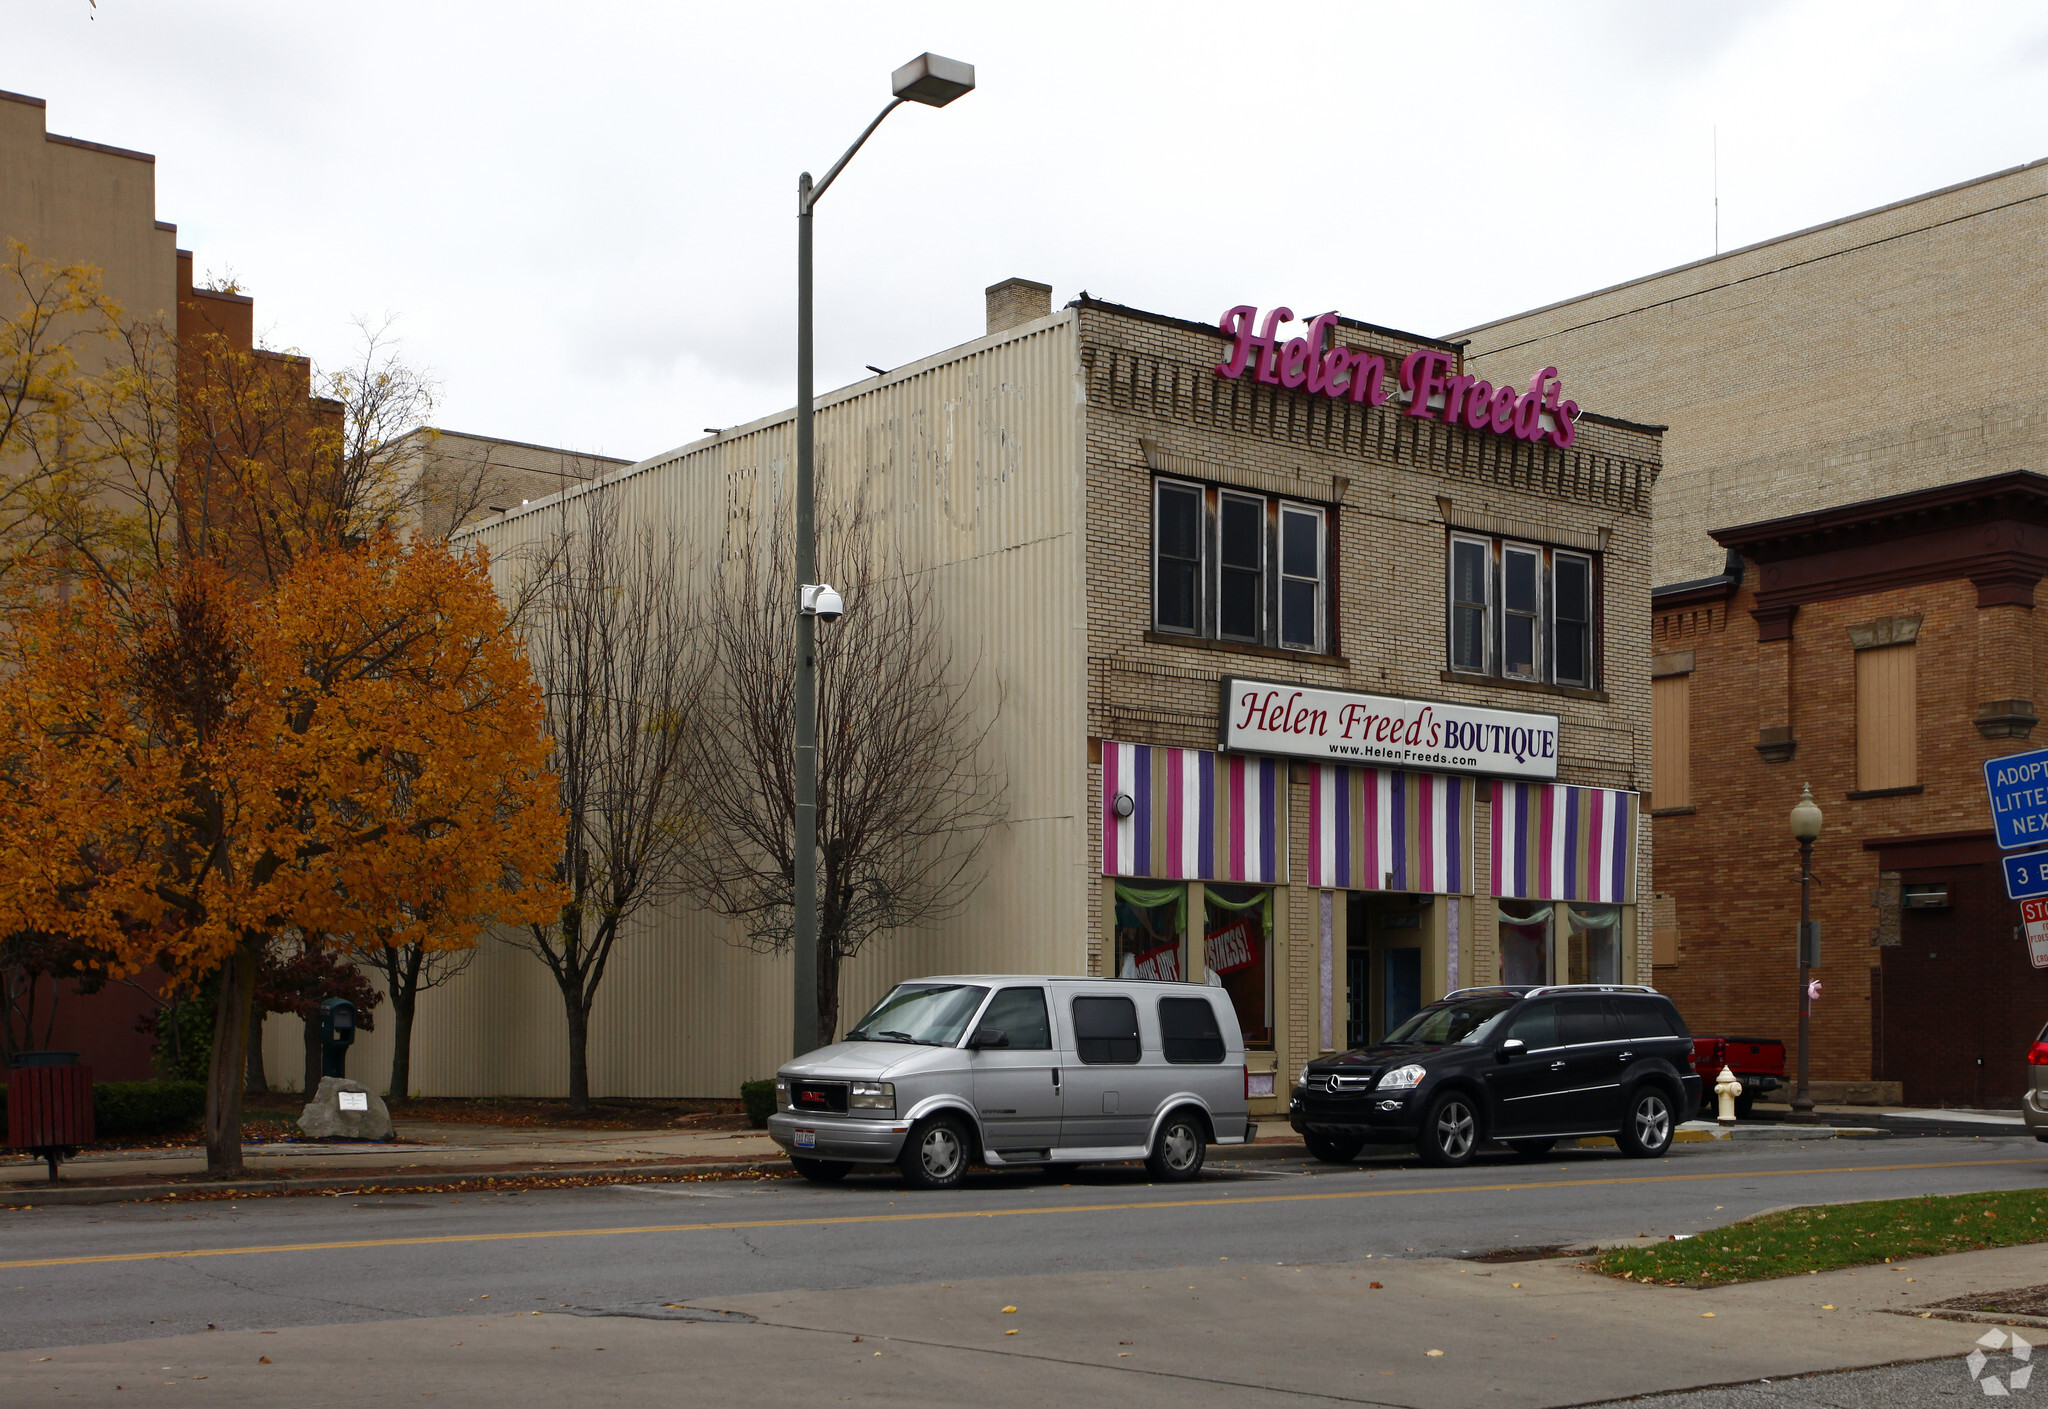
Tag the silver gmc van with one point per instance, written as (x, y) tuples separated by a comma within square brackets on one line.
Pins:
[(1010, 1069)]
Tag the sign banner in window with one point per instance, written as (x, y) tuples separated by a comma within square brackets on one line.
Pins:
[(1262, 717), (1552, 842), (1193, 815), (1233, 947), (1161, 965), (1385, 829)]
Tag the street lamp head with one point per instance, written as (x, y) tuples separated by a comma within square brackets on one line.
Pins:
[(932, 80), (1805, 815)]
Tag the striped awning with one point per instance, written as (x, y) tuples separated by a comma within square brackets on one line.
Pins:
[(1195, 815), (1386, 829), (1552, 842)]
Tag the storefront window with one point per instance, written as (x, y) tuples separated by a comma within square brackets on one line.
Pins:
[(1524, 941), (1529, 948), (1238, 933), (1595, 953), (1151, 926)]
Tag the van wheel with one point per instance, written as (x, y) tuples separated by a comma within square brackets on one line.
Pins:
[(1647, 1125), (1179, 1149), (1531, 1149), (822, 1171), (1450, 1132), (936, 1154), (1333, 1149)]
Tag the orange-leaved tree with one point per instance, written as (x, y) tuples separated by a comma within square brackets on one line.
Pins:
[(197, 771)]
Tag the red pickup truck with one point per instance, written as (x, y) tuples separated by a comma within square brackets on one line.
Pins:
[(1758, 1063)]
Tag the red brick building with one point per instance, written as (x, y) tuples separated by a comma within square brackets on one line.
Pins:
[(1881, 651)]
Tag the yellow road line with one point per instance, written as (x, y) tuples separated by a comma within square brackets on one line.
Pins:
[(1226, 1201)]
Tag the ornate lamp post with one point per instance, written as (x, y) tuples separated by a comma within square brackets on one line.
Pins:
[(935, 82), (1805, 830)]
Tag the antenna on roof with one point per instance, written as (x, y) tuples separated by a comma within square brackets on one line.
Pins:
[(1717, 188)]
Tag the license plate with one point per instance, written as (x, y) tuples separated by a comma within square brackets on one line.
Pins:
[(807, 1139)]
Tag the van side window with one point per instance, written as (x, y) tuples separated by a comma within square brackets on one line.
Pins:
[(1019, 1014), (1535, 1025), (1646, 1017), (1105, 1030), (1584, 1020), (1188, 1030)]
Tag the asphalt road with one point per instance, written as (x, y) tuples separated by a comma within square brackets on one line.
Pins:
[(91, 1274)]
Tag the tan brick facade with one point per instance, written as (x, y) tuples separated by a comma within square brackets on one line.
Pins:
[(1394, 485)]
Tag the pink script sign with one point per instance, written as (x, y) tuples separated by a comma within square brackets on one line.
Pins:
[(1426, 377)]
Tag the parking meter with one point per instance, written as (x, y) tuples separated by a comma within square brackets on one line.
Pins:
[(337, 1032)]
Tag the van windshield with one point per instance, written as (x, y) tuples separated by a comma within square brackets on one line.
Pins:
[(934, 1014)]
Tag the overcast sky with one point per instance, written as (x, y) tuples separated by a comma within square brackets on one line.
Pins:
[(582, 215)]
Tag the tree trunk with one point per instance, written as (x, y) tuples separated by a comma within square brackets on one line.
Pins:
[(403, 998), (230, 1059), (579, 1053), (259, 1080), (311, 1038)]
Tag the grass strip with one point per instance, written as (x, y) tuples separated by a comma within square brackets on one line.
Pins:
[(1816, 1239)]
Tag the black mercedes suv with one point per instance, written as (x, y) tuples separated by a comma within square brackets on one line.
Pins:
[(1527, 1066)]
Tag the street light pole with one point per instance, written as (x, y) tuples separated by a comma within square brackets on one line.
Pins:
[(935, 82), (1806, 820)]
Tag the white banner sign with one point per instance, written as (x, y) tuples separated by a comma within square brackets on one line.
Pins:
[(1336, 726)]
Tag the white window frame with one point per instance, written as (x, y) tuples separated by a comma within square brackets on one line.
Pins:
[(1259, 633), (1283, 577), (1451, 604), (1202, 535)]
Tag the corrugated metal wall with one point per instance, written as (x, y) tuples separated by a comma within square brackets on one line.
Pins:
[(974, 459)]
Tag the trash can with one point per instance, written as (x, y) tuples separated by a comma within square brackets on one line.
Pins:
[(49, 1105)]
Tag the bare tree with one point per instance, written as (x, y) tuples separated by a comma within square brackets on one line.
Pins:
[(609, 638), (408, 970), (906, 799)]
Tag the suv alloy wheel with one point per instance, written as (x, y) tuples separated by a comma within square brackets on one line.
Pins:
[(1450, 1131), (1647, 1122)]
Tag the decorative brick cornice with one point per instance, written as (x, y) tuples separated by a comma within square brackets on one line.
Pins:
[(1993, 531)]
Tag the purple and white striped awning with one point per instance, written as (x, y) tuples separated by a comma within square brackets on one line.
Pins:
[(1552, 842), (1196, 815), (1387, 829)]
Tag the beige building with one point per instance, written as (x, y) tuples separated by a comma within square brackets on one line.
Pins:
[(1878, 353), (76, 202), (1302, 685), (453, 479)]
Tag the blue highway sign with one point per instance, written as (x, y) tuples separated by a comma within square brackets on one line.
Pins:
[(2018, 785), (2026, 874)]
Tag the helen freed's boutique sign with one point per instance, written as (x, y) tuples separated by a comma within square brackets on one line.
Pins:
[(1338, 727), (1427, 378)]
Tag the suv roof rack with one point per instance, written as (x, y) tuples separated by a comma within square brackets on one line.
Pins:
[(1531, 990)]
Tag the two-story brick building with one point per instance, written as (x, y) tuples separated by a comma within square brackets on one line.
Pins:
[(1323, 670), (1881, 651)]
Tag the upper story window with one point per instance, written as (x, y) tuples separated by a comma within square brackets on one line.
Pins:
[(1523, 611), (1233, 565)]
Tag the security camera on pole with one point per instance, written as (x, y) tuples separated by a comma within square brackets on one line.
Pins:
[(935, 82)]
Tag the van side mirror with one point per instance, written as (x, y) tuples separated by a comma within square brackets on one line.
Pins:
[(1513, 1047), (988, 1037)]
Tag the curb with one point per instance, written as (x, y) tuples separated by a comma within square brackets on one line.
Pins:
[(44, 1195)]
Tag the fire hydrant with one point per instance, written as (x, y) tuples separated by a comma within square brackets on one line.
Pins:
[(1728, 1087)]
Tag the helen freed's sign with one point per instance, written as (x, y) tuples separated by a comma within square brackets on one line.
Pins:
[(1339, 727)]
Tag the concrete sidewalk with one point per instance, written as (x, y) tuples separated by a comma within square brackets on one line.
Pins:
[(1230, 1333)]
